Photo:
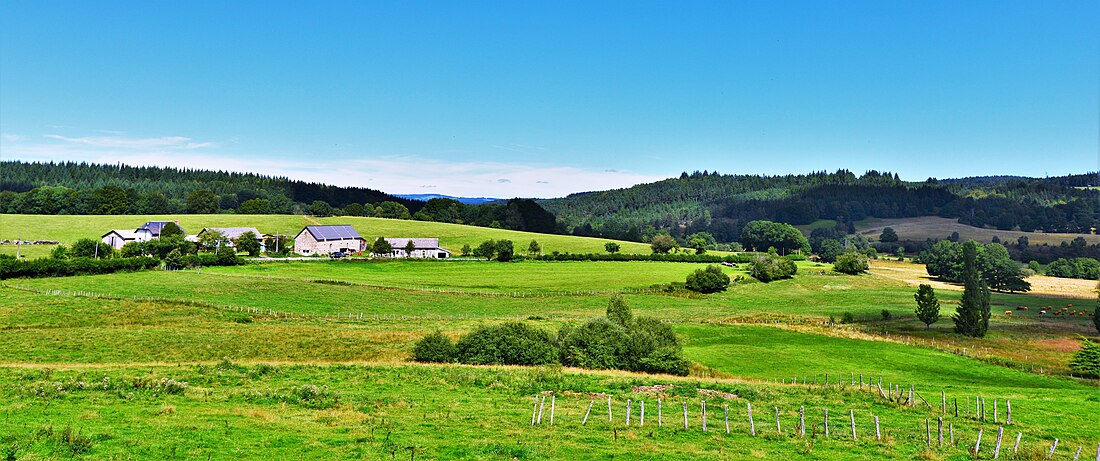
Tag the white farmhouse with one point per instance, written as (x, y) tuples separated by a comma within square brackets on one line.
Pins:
[(328, 239), (424, 248), (119, 237)]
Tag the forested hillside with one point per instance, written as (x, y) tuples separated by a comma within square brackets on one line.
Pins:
[(721, 204), (81, 188)]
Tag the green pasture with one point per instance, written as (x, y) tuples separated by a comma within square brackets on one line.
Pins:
[(67, 229)]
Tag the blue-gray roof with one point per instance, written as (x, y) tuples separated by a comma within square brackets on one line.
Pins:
[(322, 233), (155, 227)]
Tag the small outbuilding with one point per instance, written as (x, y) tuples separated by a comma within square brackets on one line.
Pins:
[(328, 239), (233, 233), (152, 229)]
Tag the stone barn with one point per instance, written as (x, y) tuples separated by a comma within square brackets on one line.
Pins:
[(328, 239)]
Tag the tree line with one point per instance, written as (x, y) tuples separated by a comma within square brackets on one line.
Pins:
[(723, 204)]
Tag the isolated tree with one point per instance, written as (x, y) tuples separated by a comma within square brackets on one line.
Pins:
[(174, 259), (954, 236), (504, 250), (486, 250), (888, 235), (171, 230), (212, 240), (611, 247), (466, 250), (410, 247), (320, 208), (662, 243), (972, 315), (700, 240), (381, 247), (534, 249), (90, 248), (248, 242), (435, 347), (928, 307), (1086, 361), (202, 201), (709, 280)]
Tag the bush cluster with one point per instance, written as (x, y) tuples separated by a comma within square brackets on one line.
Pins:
[(767, 267), (709, 280), (851, 263), (617, 341), (48, 267), (1075, 268), (1086, 361)]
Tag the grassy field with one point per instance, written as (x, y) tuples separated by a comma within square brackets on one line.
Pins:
[(933, 227), (81, 376), (67, 229)]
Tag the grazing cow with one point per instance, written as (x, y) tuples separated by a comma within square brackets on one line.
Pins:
[(1008, 312), (1042, 312), (1021, 308)]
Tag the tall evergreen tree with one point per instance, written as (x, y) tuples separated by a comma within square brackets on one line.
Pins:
[(928, 307), (972, 315), (1096, 315)]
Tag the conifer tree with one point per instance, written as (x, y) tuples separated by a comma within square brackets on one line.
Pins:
[(928, 307), (972, 315)]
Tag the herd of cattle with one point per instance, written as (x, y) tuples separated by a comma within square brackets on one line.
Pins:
[(1067, 311)]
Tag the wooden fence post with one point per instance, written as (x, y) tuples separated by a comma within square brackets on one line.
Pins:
[(726, 407), (802, 421), (1016, 447), (778, 429), (852, 414), (978, 444), (939, 429), (704, 408), (943, 401), (826, 423), (997, 449), (641, 417), (927, 432), (752, 425), (951, 430), (659, 412), (609, 418), (552, 398), (685, 416), (1077, 454), (535, 410), (878, 433), (995, 411), (956, 400), (1053, 447), (1008, 410), (541, 404), (587, 412), (628, 412)]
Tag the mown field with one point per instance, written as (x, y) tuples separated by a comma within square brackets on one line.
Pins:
[(84, 364), (67, 229), (932, 227)]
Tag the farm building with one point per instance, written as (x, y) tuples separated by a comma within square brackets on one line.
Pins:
[(425, 248), (151, 230), (232, 233), (119, 237), (328, 239)]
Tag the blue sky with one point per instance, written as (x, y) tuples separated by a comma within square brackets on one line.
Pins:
[(547, 98)]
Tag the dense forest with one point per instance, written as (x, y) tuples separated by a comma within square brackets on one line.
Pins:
[(82, 188), (721, 204)]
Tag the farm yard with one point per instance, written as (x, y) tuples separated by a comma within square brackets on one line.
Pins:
[(311, 359)]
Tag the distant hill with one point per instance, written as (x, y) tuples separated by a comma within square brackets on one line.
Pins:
[(722, 204), (463, 200)]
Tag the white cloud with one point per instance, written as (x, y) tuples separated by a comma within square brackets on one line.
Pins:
[(164, 142), (390, 174), (10, 137)]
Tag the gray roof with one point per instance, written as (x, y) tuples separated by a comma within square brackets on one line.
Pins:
[(420, 243), (154, 227), (341, 232), (125, 234), (232, 233)]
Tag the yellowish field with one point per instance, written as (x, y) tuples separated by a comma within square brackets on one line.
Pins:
[(1041, 285), (934, 227)]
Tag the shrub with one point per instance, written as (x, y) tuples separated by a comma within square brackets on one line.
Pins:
[(709, 280), (847, 318), (851, 263), (769, 267), (1086, 361), (886, 315), (511, 343), (89, 248), (598, 343), (435, 347), (504, 251), (48, 267), (611, 247)]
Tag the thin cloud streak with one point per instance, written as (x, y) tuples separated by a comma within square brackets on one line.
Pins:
[(165, 142), (390, 174)]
